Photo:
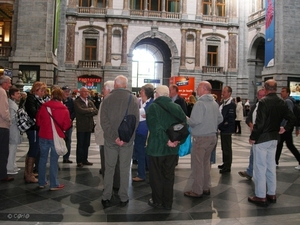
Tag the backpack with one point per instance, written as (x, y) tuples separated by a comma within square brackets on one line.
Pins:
[(24, 122), (296, 111)]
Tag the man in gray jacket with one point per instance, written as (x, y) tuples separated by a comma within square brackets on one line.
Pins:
[(203, 122), (113, 109)]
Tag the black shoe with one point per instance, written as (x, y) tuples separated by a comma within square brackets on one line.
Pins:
[(221, 166), (105, 203), (80, 165), (225, 170), (167, 207), (87, 163), (67, 161), (134, 161), (123, 204), (155, 205)]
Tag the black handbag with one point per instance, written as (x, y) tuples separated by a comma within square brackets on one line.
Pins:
[(178, 131), (127, 126)]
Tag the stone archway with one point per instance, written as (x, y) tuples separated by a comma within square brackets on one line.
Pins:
[(255, 64)]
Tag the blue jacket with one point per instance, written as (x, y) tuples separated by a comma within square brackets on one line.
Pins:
[(228, 112)]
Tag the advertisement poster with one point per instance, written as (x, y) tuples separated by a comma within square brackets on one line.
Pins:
[(186, 85), (270, 34), (295, 89)]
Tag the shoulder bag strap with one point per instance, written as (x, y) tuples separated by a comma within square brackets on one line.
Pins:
[(177, 118), (130, 97), (50, 114)]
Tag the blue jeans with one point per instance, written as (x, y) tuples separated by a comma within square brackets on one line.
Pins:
[(141, 156), (250, 166), (264, 168), (33, 139), (45, 146), (83, 144), (68, 140)]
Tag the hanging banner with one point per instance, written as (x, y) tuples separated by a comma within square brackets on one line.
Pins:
[(186, 85), (270, 34)]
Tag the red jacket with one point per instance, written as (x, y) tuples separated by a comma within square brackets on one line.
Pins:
[(59, 112)]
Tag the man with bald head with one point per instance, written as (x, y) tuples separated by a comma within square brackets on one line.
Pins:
[(271, 110), (85, 110), (204, 121), (113, 109)]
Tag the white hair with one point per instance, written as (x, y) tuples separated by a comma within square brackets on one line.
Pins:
[(109, 85)]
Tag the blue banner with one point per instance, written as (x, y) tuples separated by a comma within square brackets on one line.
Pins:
[(270, 34)]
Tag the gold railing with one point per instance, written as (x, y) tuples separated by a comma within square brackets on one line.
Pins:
[(5, 51), (89, 64), (212, 69), (257, 15), (92, 10)]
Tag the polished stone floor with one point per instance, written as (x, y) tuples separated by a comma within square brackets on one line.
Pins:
[(80, 201)]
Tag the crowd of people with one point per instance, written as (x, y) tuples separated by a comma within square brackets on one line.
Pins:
[(270, 120)]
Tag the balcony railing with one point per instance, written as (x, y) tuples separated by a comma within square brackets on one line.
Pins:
[(257, 15), (218, 19), (156, 14), (92, 64), (92, 10), (5, 51), (212, 69)]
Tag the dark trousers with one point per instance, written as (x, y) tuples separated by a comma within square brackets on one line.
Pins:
[(82, 148), (34, 146), (116, 183), (161, 178), (238, 128), (226, 145), (141, 156), (4, 140), (68, 140), (287, 137)]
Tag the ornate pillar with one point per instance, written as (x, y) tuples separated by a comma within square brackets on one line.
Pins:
[(124, 46), (70, 43), (199, 9), (232, 47), (125, 5), (108, 45), (183, 49), (110, 4), (197, 50)]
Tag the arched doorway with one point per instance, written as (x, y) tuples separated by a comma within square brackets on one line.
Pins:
[(151, 63)]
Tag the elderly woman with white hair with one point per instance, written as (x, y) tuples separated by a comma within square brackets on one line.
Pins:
[(162, 152)]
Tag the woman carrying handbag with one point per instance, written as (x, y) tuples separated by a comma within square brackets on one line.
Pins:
[(62, 121)]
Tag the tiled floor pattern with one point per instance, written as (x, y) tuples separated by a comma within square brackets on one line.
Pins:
[(80, 201)]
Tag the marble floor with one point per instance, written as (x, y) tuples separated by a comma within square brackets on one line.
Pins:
[(80, 201)]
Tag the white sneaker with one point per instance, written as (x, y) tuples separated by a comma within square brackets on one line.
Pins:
[(297, 167), (17, 169), (12, 172)]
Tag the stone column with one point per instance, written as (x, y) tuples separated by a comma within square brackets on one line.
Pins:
[(197, 50), (110, 4), (163, 5), (125, 5), (124, 46), (183, 49), (70, 43), (232, 47), (199, 9), (213, 6), (183, 3), (146, 5), (108, 45)]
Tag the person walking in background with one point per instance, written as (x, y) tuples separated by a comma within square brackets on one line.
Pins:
[(203, 122), (264, 137), (33, 103), (15, 136), (228, 110), (239, 115), (287, 136), (85, 110), (61, 119), (247, 107), (250, 120), (107, 88), (173, 93), (147, 95), (114, 148), (69, 103), (5, 84), (163, 153)]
